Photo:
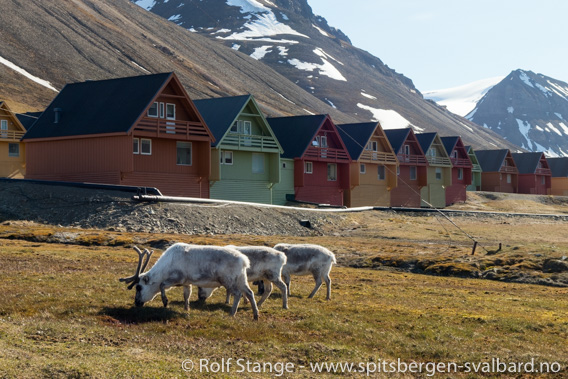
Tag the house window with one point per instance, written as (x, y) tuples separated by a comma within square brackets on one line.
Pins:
[(284, 165), (161, 110), (438, 173), (171, 111), (412, 172), (308, 167), (14, 150), (258, 163), (331, 172), (136, 146), (362, 168), (183, 153), (406, 149), (542, 180), (235, 127), (454, 154), (460, 173), (323, 140), (145, 146), (397, 170), (381, 172), (432, 152), (153, 110), (373, 146), (226, 157), (508, 178)]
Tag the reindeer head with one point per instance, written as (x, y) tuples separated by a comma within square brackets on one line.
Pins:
[(144, 286)]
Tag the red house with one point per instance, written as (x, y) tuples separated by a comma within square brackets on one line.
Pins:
[(139, 131), (461, 170), (534, 173), (412, 171), (498, 171), (320, 158)]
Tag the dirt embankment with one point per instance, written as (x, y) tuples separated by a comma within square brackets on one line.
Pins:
[(534, 249)]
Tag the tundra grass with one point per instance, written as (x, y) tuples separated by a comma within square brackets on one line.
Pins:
[(63, 313)]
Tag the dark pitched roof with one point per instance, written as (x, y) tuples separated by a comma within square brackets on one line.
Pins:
[(296, 133), (356, 136), (527, 163), (425, 140), (450, 143), (558, 166), (98, 107), (491, 160), (397, 137), (28, 119), (220, 113)]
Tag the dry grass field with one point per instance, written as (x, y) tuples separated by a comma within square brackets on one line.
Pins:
[(63, 312)]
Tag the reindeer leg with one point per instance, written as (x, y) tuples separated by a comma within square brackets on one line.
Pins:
[(163, 292), (186, 295)]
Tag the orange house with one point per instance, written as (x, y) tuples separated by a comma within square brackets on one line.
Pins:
[(559, 180), (374, 166), (499, 171), (12, 151), (139, 131)]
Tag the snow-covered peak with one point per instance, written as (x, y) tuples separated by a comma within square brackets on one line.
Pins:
[(462, 100)]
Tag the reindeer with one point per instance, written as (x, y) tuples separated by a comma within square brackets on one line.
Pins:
[(183, 265)]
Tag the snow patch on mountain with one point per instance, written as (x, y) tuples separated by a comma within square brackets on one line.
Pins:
[(21, 71), (260, 52), (146, 4), (388, 118), (525, 78), (524, 128), (462, 100), (326, 68), (265, 23)]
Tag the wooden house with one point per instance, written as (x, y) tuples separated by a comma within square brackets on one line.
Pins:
[(534, 173), (475, 170), (498, 171), (412, 169), (245, 157), (319, 157), (139, 131), (373, 170), (433, 194), (461, 170), (559, 179), (12, 151)]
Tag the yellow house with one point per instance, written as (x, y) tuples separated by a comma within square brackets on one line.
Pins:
[(12, 151)]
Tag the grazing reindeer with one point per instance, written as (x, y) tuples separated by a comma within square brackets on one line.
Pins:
[(266, 266), (306, 259), (183, 265)]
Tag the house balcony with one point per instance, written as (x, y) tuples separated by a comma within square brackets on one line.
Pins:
[(172, 129), (461, 162), (439, 161), (250, 142), (476, 168), (326, 154), (378, 157), (11, 135), (509, 170), (412, 159), (543, 171)]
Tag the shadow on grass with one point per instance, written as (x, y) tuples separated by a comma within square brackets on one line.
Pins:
[(146, 314)]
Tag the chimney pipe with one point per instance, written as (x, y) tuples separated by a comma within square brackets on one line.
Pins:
[(57, 112)]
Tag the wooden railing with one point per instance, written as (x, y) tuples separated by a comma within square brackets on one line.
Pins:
[(326, 153), (378, 156), (12, 135), (413, 159), (442, 161), (543, 171), (509, 169), (461, 162), (250, 141), (171, 128), (476, 167)]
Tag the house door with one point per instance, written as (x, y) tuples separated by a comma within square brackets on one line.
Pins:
[(4, 128), (170, 115), (247, 131)]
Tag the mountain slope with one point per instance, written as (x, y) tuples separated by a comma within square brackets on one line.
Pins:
[(528, 109), (71, 40), (289, 38)]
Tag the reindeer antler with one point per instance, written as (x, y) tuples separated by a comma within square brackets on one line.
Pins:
[(134, 279)]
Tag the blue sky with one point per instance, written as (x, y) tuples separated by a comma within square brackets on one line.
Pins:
[(446, 43)]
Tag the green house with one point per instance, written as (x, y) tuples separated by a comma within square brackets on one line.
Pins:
[(475, 171), (245, 159)]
